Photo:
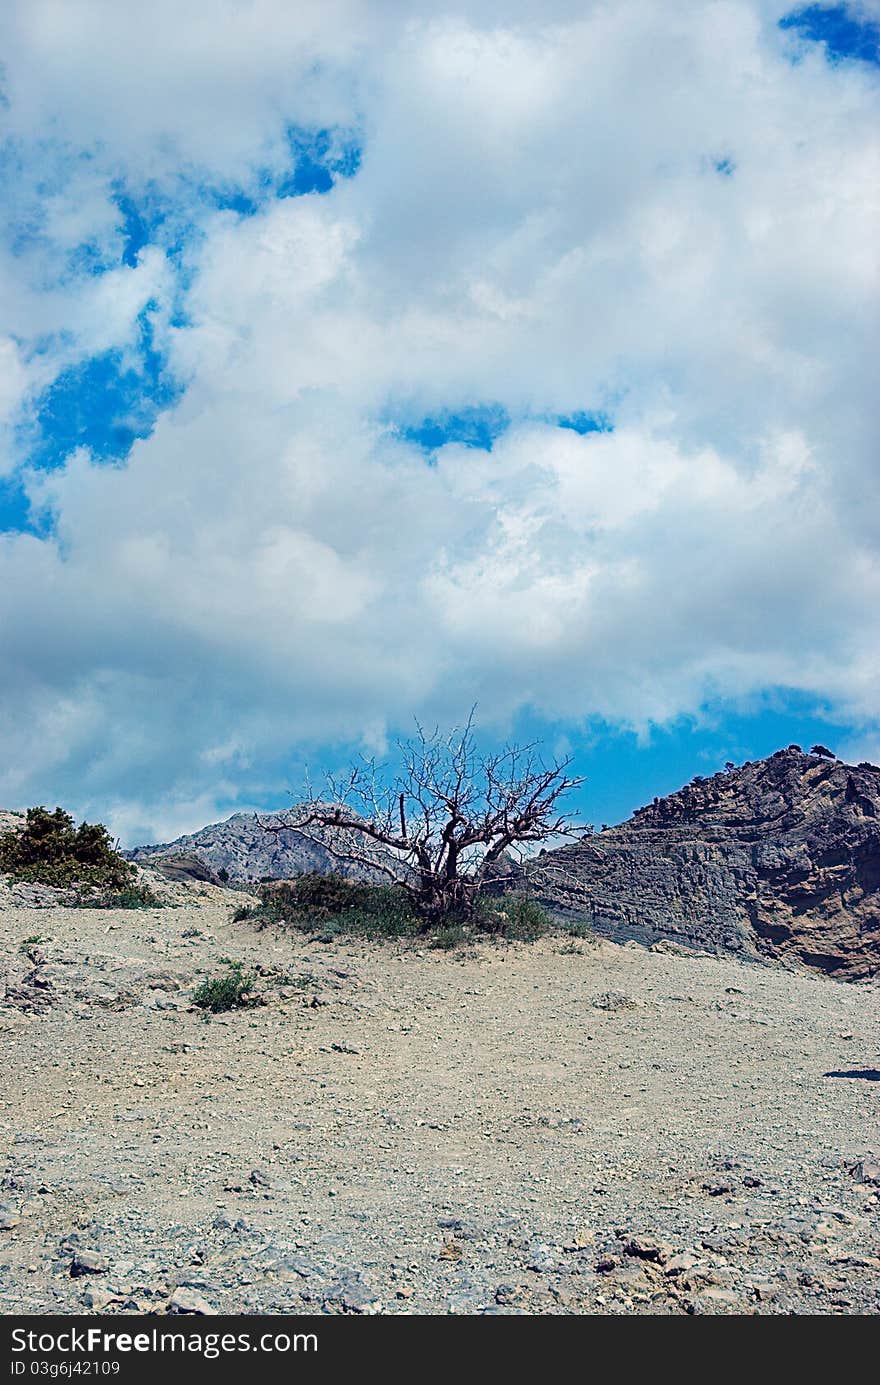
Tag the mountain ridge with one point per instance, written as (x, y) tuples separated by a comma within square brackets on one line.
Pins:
[(777, 858), (241, 850)]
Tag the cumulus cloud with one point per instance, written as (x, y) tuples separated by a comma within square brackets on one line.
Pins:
[(655, 213)]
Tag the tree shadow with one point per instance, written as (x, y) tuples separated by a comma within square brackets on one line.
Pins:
[(867, 1074)]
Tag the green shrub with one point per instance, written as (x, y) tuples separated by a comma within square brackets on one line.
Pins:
[(327, 907), (517, 917), (576, 928), (451, 935), (51, 851), (132, 897), (228, 992)]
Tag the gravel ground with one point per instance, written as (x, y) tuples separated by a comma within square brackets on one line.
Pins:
[(557, 1128)]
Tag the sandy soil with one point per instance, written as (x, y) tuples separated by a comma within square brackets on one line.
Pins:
[(407, 1131)]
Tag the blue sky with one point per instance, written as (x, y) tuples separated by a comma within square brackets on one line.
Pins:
[(847, 34), (355, 371)]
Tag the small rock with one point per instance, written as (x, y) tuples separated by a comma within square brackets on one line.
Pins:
[(450, 1251), (868, 1171), (765, 1293), (452, 1224), (716, 1301), (87, 1262), (98, 1299), (507, 1293), (185, 1300), (299, 1265), (352, 1296), (646, 1248), (8, 1217), (581, 1240), (468, 1301), (613, 1000), (541, 1258)]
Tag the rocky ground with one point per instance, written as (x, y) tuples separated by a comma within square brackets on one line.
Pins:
[(569, 1127)]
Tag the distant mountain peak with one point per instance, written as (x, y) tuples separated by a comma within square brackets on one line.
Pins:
[(241, 850)]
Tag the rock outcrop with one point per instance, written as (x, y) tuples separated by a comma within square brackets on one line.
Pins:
[(778, 858)]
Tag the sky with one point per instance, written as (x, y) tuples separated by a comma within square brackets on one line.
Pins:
[(363, 362)]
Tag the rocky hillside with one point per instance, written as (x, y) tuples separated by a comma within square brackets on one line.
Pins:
[(240, 849), (780, 857)]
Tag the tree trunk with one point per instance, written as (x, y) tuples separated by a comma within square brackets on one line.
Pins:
[(440, 898)]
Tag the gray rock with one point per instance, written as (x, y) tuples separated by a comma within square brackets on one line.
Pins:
[(507, 1293), (352, 1295), (187, 1300), (88, 1262), (97, 1299), (868, 1171), (647, 1248), (540, 1258), (9, 1217), (715, 1301), (613, 1000)]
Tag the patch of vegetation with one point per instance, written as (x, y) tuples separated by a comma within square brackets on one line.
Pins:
[(306, 981), (50, 850), (34, 940), (232, 991), (516, 917), (450, 936), (134, 896), (576, 928), (327, 907)]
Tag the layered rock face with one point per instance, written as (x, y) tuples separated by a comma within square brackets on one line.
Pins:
[(778, 858)]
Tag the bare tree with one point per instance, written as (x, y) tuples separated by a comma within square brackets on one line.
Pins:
[(437, 826)]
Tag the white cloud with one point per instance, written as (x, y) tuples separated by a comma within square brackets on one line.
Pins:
[(538, 222)]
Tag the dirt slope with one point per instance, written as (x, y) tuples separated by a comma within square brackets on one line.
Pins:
[(563, 1128)]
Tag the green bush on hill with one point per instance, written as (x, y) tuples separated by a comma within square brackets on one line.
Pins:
[(50, 850)]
